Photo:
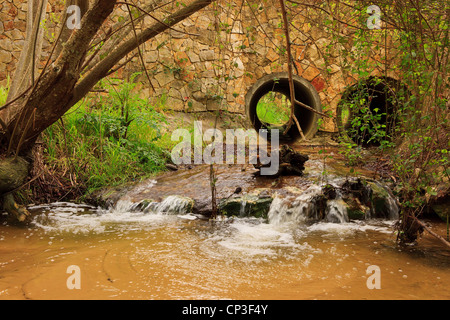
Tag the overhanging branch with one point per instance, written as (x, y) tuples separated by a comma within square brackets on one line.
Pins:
[(101, 69)]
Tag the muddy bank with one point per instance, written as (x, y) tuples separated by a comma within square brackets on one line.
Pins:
[(325, 182), (330, 185)]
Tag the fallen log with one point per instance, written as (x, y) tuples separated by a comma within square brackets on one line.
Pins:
[(291, 162)]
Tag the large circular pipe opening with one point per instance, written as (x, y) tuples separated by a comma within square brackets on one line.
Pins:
[(369, 110), (274, 110), (268, 105)]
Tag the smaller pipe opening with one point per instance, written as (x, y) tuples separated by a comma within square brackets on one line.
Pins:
[(368, 110)]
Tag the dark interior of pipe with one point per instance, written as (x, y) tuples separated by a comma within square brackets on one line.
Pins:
[(379, 91), (306, 118)]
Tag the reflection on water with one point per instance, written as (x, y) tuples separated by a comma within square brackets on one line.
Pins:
[(135, 255)]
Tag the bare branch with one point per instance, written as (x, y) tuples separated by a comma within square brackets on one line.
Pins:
[(24, 74), (116, 34), (290, 63), (103, 67)]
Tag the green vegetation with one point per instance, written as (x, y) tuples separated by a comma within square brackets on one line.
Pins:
[(407, 122), (273, 109), (4, 93), (108, 139)]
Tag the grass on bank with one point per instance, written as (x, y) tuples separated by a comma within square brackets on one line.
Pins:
[(111, 138)]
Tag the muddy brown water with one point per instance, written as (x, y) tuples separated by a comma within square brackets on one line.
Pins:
[(168, 257), (132, 255)]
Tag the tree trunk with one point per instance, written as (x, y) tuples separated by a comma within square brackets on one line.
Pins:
[(27, 66), (59, 88), (13, 173), (35, 103), (50, 97), (25, 73), (29, 114)]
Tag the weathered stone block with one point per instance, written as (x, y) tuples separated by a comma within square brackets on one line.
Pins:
[(310, 73), (5, 56), (207, 55), (164, 78)]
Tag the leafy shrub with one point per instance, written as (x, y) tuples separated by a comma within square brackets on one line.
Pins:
[(107, 140)]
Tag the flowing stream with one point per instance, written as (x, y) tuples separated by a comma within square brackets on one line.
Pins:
[(164, 252)]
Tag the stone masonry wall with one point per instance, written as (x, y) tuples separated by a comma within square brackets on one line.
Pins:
[(210, 60)]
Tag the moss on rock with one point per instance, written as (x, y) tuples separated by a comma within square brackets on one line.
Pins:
[(246, 206), (13, 173)]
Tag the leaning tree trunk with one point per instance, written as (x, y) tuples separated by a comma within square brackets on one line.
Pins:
[(27, 66), (13, 173), (14, 170), (38, 102), (34, 102)]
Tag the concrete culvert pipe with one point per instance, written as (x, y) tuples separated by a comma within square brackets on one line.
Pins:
[(268, 105), (376, 96)]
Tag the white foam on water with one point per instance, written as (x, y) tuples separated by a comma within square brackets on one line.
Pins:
[(253, 240), (349, 229), (301, 213), (336, 211), (188, 216), (67, 219), (257, 239), (76, 220), (236, 239), (284, 211), (83, 219)]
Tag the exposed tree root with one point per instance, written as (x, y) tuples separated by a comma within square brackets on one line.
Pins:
[(10, 206), (13, 173), (433, 233), (410, 227)]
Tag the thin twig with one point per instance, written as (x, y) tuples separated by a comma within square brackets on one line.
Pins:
[(301, 104), (291, 81), (32, 88), (432, 232), (138, 47), (157, 20)]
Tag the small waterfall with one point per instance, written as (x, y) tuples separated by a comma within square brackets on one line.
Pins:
[(310, 205), (393, 208), (174, 205), (243, 205), (336, 211), (282, 211), (170, 205), (384, 201), (123, 206)]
